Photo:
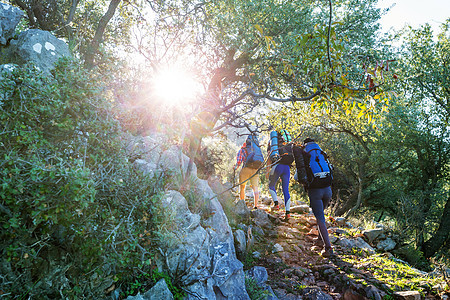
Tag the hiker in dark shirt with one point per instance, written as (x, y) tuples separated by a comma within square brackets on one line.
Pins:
[(317, 184)]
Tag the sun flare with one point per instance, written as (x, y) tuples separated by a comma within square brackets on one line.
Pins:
[(175, 86)]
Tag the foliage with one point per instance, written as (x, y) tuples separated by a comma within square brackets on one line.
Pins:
[(392, 275), (67, 186), (176, 291), (255, 291)]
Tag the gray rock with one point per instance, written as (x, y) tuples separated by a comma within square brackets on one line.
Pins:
[(10, 16), (372, 234), (340, 221), (228, 274), (261, 219), (175, 161), (315, 293), (240, 243), (356, 243), (373, 293), (242, 210), (277, 248), (300, 209), (259, 274), (37, 46), (407, 295), (137, 297), (147, 168), (159, 291), (386, 245)]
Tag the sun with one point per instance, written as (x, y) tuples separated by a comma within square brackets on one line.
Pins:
[(175, 86)]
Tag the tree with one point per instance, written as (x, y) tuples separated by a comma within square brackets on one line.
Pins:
[(81, 22), (426, 66)]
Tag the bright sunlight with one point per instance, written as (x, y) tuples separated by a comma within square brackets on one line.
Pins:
[(175, 86)]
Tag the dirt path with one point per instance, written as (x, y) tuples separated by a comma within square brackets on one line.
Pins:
[(290, 252)]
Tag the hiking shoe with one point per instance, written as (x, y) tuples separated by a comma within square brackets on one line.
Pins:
[(327, 252), (275, 207), (286, 217)]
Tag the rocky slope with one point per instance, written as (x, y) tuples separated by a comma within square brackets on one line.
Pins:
[(290, 253)]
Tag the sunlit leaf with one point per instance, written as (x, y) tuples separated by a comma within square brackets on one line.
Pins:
[(259, 28), (361, 113)]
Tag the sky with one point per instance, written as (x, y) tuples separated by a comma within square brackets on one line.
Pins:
[(414, 13)]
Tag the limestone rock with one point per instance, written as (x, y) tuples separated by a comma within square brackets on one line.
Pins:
[(39, 47), (300, 209), (240, 243), (407, 295), (372, 234), (10, 16), (261, 219), (386, 245), (356, 243), (159, 291)]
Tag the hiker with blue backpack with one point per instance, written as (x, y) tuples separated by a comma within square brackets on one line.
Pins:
[(251, 158), (280, 159), (314, 172)]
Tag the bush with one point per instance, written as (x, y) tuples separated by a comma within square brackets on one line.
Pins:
[(75, 217)]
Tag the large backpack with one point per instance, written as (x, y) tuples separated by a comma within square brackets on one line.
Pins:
[(318, 168), (281, 147), (254, 158)]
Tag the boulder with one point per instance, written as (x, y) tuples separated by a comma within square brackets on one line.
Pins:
[(240, 243), (407, 295), (386, 245), (173, 160), (261, 219), (277, 248), (314, 293), (159, 291), (300, 209), (259, 274), (147, 168), (241, 210), (206, 257), (10, 16), (372, 234), (356, 243), (340, 221), (39, 47)]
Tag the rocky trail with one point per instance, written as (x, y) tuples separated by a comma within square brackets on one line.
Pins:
[(289, 252)]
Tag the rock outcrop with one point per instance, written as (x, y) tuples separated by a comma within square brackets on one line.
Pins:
[(35, 46), (9, 19)]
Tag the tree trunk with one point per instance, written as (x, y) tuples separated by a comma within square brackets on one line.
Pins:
[(95, 43), (441, 236), (358, 200)]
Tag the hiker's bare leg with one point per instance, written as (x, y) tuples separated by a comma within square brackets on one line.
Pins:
[(242, 191), (256, 196)]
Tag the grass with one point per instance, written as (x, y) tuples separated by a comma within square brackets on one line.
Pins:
[(397, 276)]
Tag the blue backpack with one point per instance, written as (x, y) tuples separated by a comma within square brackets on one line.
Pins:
[(254, 158), (318, 169)]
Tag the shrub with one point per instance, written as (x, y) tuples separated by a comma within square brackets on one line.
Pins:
[(75, 216), (255, 292)]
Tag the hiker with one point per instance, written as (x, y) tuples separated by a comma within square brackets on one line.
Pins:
[(251, 158), (315, 174), (280, 159)]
